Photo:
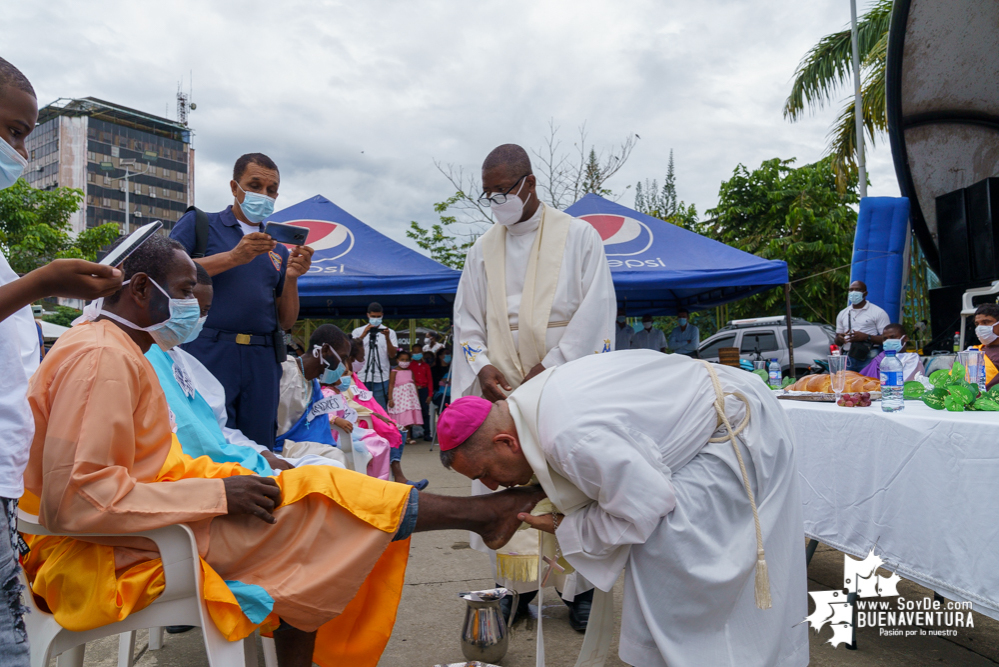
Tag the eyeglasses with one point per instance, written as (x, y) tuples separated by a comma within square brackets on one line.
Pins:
[(486, 200)]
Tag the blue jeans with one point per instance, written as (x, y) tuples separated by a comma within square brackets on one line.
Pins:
[(380, 392), (13, 636), (395, 453), (408, 523)]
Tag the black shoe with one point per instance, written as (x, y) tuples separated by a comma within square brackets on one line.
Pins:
[(523, 606), (579, 611), (177, 629)]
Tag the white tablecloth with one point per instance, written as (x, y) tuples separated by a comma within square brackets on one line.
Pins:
[(923, 484)]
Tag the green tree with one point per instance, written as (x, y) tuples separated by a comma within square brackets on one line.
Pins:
[(663, 203), (35, 227), (63, 316), (797, 215), (439, 239), (828, 68)]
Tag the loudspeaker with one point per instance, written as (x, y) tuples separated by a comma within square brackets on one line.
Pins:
[(945, 315), (952, 235), (981, 202)]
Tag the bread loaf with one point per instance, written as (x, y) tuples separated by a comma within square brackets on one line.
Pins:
[(855, 383)]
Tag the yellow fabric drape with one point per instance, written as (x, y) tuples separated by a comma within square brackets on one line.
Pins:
[(102, 596)]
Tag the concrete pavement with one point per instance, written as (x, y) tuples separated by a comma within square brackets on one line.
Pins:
[(441, 564)]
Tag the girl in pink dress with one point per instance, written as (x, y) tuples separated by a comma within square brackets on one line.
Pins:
[(404, 400)]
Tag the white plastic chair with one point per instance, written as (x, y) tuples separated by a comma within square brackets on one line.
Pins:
[(181, 603), (357, 459)]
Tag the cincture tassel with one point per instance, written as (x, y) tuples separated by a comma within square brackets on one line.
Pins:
[(763, 600)]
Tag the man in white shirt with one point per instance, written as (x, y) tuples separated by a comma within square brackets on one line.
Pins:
[(649, 337), (19, 351), (536, 292), (688, 487), (430, 345), (380, 347), (860, 322), (622, 332)]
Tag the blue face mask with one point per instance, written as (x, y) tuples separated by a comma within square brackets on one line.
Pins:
[(197, 330), (255, 206), (330, 375), (174, 330), (892, 345), (344, 383), (12, 165), (682, 321), (447, 358), (418, 356), (855, 297), (375, 321)]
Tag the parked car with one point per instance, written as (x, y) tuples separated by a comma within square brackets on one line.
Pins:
[(766, 338)]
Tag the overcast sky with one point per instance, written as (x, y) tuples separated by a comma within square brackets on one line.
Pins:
[(356, 100)]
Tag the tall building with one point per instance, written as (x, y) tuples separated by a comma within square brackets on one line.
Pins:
[(88, 144)]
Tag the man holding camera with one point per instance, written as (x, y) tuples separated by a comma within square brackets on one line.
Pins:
[(256, 296), (380, 347)]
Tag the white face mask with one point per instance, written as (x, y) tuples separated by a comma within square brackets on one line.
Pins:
[(511, 211), (647, 325), (985, 333)]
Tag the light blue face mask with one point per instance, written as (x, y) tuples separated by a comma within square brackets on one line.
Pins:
[(855, 297), (447, 358), (375, 321), (197, 330), (682, 321), (892, 345), (174, 330), (344, 383), (255, 206), (417, 356), (329, 376), (12, 165)]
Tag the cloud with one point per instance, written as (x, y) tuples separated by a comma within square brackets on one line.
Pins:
[(355, 101)]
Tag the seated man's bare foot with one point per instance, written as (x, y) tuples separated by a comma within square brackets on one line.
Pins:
[(503, 508)]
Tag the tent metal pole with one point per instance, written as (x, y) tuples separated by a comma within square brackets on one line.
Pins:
[(790, 338)]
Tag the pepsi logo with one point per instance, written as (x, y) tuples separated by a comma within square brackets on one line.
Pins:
[(330, 240), (622, 236)]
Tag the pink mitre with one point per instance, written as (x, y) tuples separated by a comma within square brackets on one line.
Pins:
[(461, 420)]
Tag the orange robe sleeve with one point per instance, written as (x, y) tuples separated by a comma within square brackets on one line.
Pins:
[(100, 436)]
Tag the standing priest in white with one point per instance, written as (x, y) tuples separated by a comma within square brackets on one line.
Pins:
[(536, 292), (689, 487)]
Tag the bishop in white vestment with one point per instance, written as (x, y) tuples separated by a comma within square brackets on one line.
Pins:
[(688, 487), (535, 293)]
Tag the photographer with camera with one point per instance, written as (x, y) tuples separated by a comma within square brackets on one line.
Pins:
[(380, 347)]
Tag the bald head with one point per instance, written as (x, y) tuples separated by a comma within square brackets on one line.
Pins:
[(510, 158), (492, 454)]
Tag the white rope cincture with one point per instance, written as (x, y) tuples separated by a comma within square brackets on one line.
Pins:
[(763, 600)]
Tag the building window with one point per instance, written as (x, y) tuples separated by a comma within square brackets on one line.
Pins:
[(107, 180)]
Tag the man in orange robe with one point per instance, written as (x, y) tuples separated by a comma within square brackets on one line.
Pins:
[(292, 550)]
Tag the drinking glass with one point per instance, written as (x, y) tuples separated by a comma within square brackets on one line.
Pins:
[(972, 361), (759, 365), (837, 373)]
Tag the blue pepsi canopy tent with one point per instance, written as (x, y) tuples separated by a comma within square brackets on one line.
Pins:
[(354, 265), (658, 267)]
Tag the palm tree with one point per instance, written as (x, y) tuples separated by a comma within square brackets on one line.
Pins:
[(828, 67)]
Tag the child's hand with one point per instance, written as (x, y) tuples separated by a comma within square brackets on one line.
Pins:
[(391, 403), (344, 424)]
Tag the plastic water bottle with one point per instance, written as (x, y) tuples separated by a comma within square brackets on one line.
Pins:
[(774, 372), (892, 382)]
